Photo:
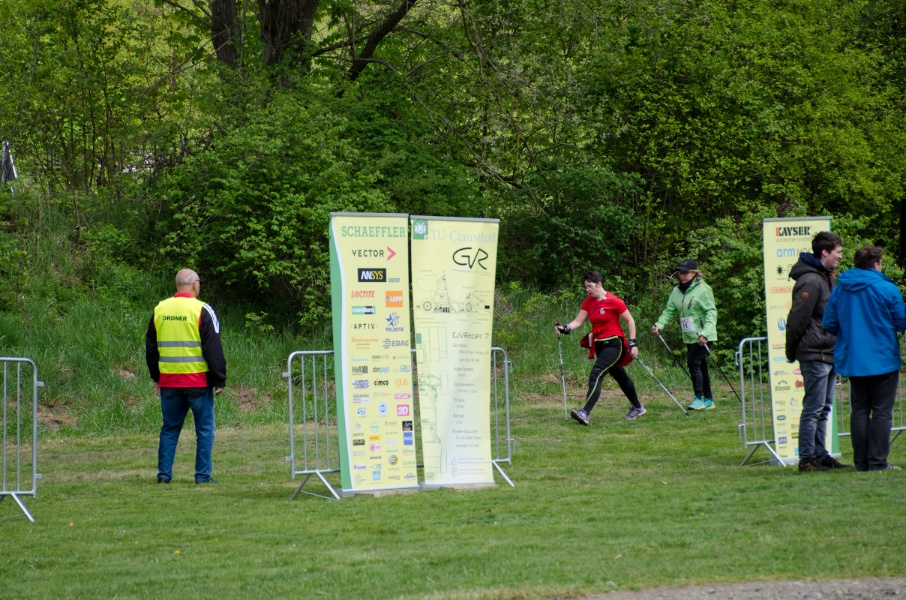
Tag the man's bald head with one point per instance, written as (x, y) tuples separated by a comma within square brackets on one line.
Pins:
[(186, 281)]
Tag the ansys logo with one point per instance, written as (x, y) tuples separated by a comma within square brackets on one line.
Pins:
[(373, 275), (419, 230)]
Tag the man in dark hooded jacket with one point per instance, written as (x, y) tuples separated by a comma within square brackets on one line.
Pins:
[(807, 342)]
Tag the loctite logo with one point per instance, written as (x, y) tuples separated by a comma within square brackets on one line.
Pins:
[(363, 294), (373, 275)]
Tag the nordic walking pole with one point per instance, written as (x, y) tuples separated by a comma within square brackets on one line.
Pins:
[(676, 363), (662, 385), (722, 373), (562, 374)]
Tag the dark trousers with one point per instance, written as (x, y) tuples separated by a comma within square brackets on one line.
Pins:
[(608, 353), (872, 405), (697, 359)]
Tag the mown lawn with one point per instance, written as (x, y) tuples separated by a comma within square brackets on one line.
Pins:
[(619, 505)]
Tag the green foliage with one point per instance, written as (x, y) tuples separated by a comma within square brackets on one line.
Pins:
[(252, 208)]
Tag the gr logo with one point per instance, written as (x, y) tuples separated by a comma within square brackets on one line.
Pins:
[(372, 275), (469, 257)]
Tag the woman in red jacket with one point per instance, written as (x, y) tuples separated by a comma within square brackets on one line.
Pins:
[(605, 311)]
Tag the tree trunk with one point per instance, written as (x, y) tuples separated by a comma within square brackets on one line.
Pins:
[(375, 38), (225, 32), (286, 27)]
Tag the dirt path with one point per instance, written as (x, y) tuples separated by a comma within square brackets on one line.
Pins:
[(844, 589)]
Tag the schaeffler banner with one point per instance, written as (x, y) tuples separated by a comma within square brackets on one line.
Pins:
[(784, 239), (453, 268), (369, 281)]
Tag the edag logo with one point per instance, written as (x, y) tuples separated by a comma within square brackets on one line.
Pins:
[(469, 257), (388, 343), (372, 275)]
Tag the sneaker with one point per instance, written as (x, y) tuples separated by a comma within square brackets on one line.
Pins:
[(889, 467), (635, 413), (708, 404), (208, 480), (697, 404), (162, 479), (580, 415), (811, 464), (832, 463)]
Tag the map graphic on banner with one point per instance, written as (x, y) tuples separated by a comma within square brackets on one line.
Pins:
[(454, 263), (369, 281), (784, 239)]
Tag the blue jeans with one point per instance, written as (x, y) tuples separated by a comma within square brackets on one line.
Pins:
[(872, 403), (175, 404), (819, 379)]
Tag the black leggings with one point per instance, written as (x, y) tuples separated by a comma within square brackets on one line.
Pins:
[(697, 359), (608, 354)]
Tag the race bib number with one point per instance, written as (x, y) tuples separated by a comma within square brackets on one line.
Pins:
[(687, 324)]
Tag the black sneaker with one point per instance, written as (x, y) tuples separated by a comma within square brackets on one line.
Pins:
[(811, 465), (888, 467), (162, 479), (208, 480), (580, 415), (832, 463)]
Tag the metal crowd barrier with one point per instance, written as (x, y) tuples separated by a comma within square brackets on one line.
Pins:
[(841, 399), (19, 432), (757, 427), (314, 448)]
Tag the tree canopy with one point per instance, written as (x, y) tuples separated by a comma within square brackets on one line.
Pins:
[(617, 135)]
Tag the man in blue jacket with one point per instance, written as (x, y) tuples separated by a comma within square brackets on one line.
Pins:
[(865, 311)]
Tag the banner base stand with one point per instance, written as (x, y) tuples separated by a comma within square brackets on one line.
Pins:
[(458, 487), (381, 493)]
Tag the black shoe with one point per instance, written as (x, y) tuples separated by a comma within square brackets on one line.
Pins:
[(832, 463), (888, 467), (208, 480), (162, 479), (811, 464)]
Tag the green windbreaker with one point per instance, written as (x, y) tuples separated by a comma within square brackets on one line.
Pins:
[(698, 304)]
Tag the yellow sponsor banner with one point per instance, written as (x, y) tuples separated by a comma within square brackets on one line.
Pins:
[(453, 268), (369, 279), (784, 239)]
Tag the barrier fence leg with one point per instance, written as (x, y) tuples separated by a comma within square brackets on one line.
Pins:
[(502, 474), (21, 506)]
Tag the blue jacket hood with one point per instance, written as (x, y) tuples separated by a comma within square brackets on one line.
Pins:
[(856, 280)]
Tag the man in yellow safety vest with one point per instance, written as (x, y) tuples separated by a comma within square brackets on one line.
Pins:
[(185, 358)]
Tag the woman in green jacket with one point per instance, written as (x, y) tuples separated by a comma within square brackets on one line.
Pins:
[(693, 301)]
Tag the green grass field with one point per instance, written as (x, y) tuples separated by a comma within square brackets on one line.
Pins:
[(661, 501)]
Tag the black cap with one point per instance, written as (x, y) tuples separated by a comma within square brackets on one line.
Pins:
[(687, 265)]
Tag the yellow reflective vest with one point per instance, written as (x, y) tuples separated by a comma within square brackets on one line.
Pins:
[(181, 362)]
